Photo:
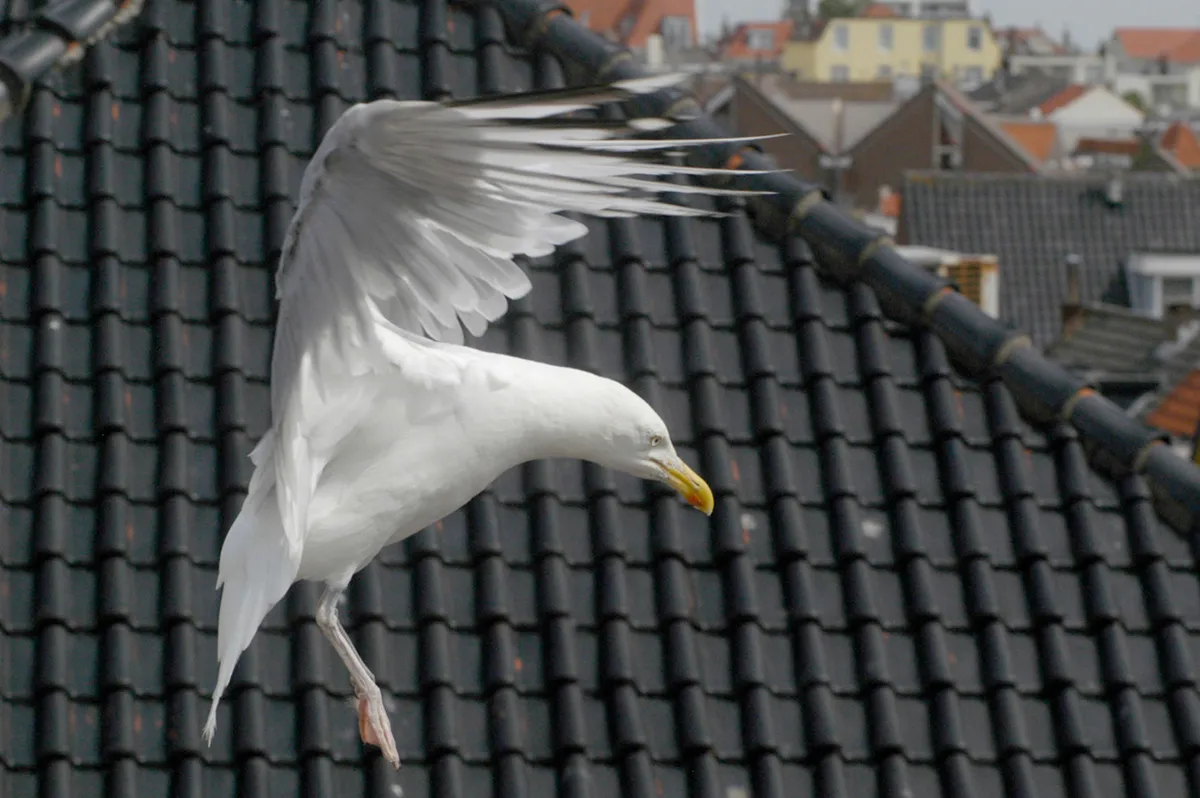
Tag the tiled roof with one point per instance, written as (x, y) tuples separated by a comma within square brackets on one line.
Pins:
[(1111, 339), (906, 588), (1016, 94), (633, 21), (1062, 99), (1036, 138), (1180, 45), (1180, 140), (1098, 146), (55, 35), (1179, 411), (877, 11), (1032, 223)]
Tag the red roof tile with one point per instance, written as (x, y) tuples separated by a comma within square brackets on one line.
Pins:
[(1179, 411), (1094, 146), (642, 18), (1064, 98), (1178, 45), (1036, 138), (1180, 140), (877, 11)]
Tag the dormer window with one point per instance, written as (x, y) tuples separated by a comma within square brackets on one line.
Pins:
[(1162, 284), (1178, 293)]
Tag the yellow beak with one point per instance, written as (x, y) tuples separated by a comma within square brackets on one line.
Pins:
[(689, 485)]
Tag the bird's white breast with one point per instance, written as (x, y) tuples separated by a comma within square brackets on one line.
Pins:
[(389, 481)]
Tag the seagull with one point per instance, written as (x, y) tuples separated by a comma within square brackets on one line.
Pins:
[(383, 421)]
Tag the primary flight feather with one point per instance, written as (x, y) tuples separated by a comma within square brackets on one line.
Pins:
[(408, 220)]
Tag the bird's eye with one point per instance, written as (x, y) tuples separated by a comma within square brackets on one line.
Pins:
[(655, 440)]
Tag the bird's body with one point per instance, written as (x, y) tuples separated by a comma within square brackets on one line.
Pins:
[(408, 218), (375, 493)]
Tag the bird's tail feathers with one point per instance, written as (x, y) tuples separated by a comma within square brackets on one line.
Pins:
[(255, 573)]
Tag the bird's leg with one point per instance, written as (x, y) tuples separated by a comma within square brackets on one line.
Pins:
[(373, 724)]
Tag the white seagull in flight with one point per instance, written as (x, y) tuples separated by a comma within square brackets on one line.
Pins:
[(409, 216)]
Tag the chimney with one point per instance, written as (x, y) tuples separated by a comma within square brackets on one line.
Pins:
[(1072, 308)]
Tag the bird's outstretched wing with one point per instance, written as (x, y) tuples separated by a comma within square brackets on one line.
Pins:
[(410, 214)]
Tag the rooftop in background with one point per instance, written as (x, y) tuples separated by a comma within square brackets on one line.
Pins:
[(1181, 141), (1032, 223), (1016, 94), (1038, 139), (633, 22), (1061, 99), (810, 104), (1101, 338), (1179, 411), (1029, 41), (752, 41), (1175, 45)]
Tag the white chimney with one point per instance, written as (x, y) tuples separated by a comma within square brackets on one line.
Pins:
[(654, 51)]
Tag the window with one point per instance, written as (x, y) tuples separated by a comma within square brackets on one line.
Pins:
[(885, 37), (973, 75), (928, 72), (676, 32), (974, 38), (1178, 292), (885, 72), (841, 37), (839, 73), (1095, 74), (931, 37), (760, 39)]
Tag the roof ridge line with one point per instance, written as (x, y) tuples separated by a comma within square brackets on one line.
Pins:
[(1044, 391), (56, 37)]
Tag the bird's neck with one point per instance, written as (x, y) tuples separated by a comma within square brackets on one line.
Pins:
[(562, 413)]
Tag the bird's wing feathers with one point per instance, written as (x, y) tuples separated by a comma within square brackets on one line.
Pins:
[(409, 218)]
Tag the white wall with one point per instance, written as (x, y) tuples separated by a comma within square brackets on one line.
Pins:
[(1083, 68), (1187, 84), (1099, 113)]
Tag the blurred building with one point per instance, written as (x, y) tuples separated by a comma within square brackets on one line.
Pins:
[(906, 42), (860, 138), (634, 23), (1160, 65)]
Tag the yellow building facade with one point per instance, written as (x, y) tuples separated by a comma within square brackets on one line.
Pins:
[(871, 48)]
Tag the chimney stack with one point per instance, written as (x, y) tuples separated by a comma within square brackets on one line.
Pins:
[(1072, 308)]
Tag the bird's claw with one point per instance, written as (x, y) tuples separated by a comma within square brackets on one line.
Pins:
[(374, 726)]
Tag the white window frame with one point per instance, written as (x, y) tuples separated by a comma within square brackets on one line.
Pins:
[(834, 72), (974, 38)]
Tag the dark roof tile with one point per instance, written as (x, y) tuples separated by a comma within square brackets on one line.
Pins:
[(905, 582), (1032, 223)]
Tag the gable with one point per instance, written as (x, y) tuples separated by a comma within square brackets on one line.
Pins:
[(1096, 105)]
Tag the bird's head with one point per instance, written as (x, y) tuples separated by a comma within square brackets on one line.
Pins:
[(637, 442)]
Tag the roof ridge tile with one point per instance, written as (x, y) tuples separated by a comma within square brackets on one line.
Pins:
[(57, 36)]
